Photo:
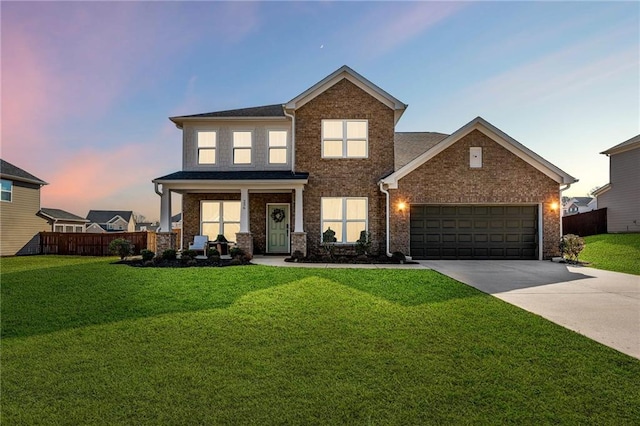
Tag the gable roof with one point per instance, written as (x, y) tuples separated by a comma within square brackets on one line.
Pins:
[(627, 145), (266, 111), (57, 214), (176, 217), (580, 201), (409, 145), (104, 216), (9, 171), (496, 135), (344, 72)]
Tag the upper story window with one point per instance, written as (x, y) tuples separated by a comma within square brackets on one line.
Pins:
[(206, 147), (277, 147), (345, 139), (241, 147), (346, 216), (7, 190)]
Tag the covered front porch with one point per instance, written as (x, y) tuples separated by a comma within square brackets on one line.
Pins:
[(262, 216)]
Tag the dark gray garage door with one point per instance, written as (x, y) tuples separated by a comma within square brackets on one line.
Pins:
[(474, 232)]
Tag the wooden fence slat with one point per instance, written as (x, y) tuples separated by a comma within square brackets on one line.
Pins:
[(89, 244), (585, 224)]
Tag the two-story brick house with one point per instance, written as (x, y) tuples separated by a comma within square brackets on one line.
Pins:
[(275, 178)]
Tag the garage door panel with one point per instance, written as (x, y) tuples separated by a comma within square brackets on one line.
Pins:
[(473, 232)]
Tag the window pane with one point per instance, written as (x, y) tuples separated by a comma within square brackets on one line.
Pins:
[(242, 156), (332, 129), (332, 208), (207, 156), (278, 156), (206, 139), (353, 231), (211, 230), (356, 129), (356, 208), (210, 211), (6, 196), (332, 149), (277, 138), (6, 185), (230, 231), (79, 229), (231, 211), (58, 228), (335, 227), (242, 139), (356, 148)]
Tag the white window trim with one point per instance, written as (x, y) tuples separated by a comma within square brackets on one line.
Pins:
[(343, 239), (344, 138), (250, 148), (214, 148), (285, 147), (10, 191), (221, 222)]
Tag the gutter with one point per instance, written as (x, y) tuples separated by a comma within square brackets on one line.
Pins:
[(386, 192), (293, 138)]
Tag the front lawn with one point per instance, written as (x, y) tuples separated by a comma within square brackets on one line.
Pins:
[(88, 342), (613, 252)]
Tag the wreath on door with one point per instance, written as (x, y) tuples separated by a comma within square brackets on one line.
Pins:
[(277, 215)]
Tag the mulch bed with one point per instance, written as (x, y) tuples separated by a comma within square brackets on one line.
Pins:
[(182, 263), (345, 259)]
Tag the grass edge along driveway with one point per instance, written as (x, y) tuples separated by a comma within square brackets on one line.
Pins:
[(87, 342)]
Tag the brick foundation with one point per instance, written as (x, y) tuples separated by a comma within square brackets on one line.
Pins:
[(299, 242), (164, 241)]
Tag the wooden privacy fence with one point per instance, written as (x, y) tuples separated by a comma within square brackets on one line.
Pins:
[(585, 224), (88, 244)]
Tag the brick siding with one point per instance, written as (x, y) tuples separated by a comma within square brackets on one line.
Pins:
[(503, 178), (344, 177)]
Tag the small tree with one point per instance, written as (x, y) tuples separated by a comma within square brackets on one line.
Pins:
[(570, 247), (328, 238), (121, 247), (363, 244)]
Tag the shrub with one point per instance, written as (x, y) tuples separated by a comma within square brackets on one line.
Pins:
[(570, 246), (328, 238), (121, 247), (147, 255), (221, 239), (398, 257), (297, 256), (189, 254), (169, 254), (236, 252), (363, 244), (213, 252)]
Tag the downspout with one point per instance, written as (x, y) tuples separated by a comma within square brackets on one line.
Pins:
[(293, 138), (386, 192)]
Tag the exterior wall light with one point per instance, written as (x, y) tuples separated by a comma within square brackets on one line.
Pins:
[(401, 206), (554, 206)]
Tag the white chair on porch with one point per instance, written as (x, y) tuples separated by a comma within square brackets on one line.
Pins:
[(200, 244)]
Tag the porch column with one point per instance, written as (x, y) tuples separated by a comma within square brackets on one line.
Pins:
[(165, 210), (244, 210), (299, 215)]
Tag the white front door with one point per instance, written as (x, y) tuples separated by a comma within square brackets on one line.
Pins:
[(277, 228)]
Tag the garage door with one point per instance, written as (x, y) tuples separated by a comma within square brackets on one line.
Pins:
[(474, 232)]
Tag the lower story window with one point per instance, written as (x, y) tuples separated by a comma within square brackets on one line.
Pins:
[(220, 217), (346, 216)]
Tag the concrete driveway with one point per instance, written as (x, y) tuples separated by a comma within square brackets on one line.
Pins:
[(602, 305)]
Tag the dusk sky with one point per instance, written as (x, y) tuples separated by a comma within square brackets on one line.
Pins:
[(87, 87)]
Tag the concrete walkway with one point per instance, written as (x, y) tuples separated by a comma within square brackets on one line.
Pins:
[(602, 305)]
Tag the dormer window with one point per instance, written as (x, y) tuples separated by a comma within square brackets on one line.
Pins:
[(345, 139), (206, 147), (241, 147)]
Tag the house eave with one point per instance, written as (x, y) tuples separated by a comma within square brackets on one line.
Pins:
[(207, 185), (496, 135), (179, 121), (22, 179)]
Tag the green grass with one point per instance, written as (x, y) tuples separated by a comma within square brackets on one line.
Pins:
[(613, 252), (87, 342)]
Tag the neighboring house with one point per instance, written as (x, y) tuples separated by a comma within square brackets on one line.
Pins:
[(276, 178), (579, 205), (19, 206), (62, 221), (147, 226), (621, 196), (176, 221), (111, 221)]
